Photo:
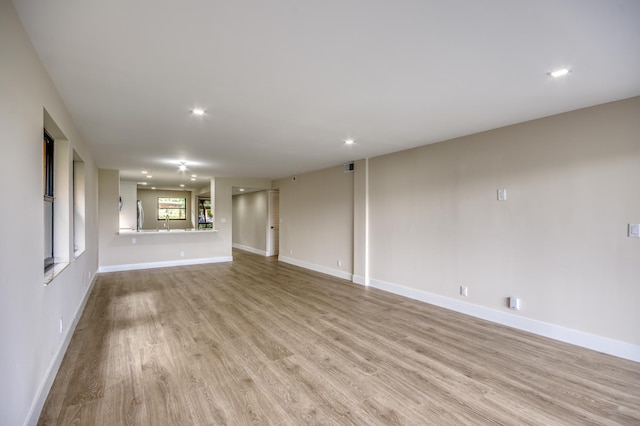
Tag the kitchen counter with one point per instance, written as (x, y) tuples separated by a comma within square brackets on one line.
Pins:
[(152, 248), (164, 231)]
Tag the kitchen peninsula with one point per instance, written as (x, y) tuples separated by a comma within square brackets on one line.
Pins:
[(151, 248)]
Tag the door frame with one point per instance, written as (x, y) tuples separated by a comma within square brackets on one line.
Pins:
[(271, 250)]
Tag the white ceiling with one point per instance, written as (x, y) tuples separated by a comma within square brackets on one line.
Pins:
[(285, 81)]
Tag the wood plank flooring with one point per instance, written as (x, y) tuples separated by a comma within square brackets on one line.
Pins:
[(260, 342)]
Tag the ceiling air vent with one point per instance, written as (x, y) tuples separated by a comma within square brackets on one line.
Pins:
[(349, 167)]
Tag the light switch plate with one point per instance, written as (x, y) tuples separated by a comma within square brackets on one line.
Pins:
[(502, 194), (634, 230)]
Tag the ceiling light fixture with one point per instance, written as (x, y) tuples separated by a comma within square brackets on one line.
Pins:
[(144, 172), (182, 185), (241, 189), (193, 179), (198, 111), (149, 176), (194, 175), (143, 183), (349, 141), (183, 166), (558, 73), (153, 187)]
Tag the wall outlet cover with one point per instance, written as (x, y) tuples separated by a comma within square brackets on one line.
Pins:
[(514, 303)]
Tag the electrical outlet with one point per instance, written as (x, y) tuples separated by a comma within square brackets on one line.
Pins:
[(464, 290), (514, 303), (340, 263)]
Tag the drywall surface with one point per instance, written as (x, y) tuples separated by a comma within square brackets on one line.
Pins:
[(108, 198), (221, 194), (129, 209), (360, 221), (250, 220), (316, 212), (31, 344), (558, 242)]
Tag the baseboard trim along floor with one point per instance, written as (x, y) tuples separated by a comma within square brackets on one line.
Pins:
[(150, 265), (318, 268), (249, 249), (575, 337), (56, 361)]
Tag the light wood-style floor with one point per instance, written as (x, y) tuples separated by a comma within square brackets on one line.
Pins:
[(260, 342)]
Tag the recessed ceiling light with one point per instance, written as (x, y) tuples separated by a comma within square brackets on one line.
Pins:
[(193, 179), (349, 141), (241, 189), (194, 175), (144, 172), (143, 183), (183, 166), (558, 73), (153, 187), (182, 185), (149, 176), (198, 111)]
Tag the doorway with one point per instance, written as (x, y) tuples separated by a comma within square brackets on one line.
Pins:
[(273, 223)]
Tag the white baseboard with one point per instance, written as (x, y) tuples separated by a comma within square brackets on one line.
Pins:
[(590, 341), (56, 361), (166, 264), (318, 268), (249, 249)]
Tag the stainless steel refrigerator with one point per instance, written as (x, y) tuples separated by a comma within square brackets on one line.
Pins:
[(140, 216)]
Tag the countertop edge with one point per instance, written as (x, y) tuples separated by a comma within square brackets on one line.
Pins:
[(173, 232)]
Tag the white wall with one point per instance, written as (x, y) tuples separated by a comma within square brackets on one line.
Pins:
[(250, 213), (221, 196), (316, 229), (128, 217), (31, 345), (559, 242)]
